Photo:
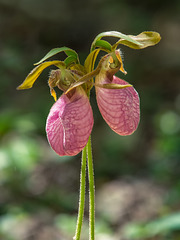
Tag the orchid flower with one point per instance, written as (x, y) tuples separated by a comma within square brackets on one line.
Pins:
[(70, 120)]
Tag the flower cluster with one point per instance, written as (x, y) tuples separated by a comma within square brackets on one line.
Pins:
[(70, 120)]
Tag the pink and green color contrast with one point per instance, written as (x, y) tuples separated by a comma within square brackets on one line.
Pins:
[(70, 120)]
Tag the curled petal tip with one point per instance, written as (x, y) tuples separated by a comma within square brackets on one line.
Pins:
[(69, 123), (119, 107)]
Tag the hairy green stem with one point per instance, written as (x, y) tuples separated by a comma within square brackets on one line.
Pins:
[(91, 191), (81, 196)]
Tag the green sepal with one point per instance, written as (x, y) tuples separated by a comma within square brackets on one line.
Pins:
[(113, 34), (145, 39), (90, 60), (34, 74), (54, 51), (78, 69), (76, 84), (112, 86), (70, 60), (104, 45), (89, 67), (84, 79)]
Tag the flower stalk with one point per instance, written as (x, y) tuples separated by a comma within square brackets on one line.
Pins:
[(91, 191), (81, 196)]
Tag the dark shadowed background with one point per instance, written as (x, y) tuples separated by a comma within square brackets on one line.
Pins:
[(137, 177)]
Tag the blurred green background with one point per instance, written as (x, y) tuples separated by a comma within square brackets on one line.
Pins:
[(137, 177)]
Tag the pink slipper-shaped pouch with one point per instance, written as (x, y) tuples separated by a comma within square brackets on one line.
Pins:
[(69, 123), (119, 107)]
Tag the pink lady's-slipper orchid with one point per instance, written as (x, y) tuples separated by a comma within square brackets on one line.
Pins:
[(119, 107), (69, 123), (70, 120)]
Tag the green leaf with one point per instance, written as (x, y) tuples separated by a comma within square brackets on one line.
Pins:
[(104, 45), (34, 74), (54, 51), (113, 34), (145, 39)]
